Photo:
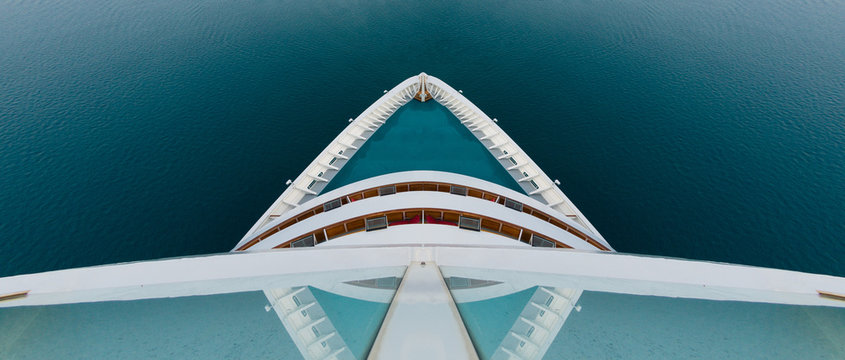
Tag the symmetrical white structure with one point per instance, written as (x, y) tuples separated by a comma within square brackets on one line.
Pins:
[(417, 264)]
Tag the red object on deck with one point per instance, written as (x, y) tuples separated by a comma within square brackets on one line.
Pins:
[(413, 220), (431, 220)]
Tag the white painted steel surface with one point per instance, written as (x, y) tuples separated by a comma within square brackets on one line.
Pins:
[(545, 318), (596, 271), (485, 129), (299, 316), (422, 199), (424, 235), (326, 269), (415, 176), (423, 322), (348, 141), (498, 142)]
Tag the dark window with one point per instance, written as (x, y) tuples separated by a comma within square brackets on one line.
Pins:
[(306, 241), (458, 190), (387, 190), (469, 223), (377, 223), (541, 242), (513, 204), (331, 205)]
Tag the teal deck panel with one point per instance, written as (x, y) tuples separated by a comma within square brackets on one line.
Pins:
[(423, 136), (488, 321), (356, 321)]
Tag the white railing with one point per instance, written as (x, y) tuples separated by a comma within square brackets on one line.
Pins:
[(326, 165), (417, 176), (527, 174), (524, 170), (538, 324), (307, 324)]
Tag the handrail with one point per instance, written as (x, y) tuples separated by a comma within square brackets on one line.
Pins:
[(423, 186), (485, 129), (357, 131), (444, 217), (470, 115)]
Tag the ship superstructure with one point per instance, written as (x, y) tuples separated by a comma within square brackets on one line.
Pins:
[(422, 231)]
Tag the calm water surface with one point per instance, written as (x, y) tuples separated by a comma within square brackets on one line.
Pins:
[(138, 130)]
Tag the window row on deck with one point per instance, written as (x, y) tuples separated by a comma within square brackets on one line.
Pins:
[(391, 189), (459, 219)]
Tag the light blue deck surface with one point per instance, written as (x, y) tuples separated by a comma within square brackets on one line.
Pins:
[(422, 136)]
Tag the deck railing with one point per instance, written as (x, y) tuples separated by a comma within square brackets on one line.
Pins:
[(524, 170), (326, 165), (530, 177), (432, 216), (455, 189)]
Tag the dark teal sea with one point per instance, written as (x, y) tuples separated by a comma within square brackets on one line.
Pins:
[(137, 130)]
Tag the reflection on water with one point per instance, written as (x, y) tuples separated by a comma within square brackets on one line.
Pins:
[(538, 322), (340, 321), (209, 327), (326, 325)]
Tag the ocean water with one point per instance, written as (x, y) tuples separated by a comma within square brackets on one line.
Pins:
[(139, 130), (488, 321), (221, 326), (610, 326), (225, 326)]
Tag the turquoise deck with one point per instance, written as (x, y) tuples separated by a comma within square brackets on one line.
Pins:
[(423, 136)]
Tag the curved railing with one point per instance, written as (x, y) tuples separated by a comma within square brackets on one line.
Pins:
[(326, 165), (527, 173), (431, 216), (392, 188), (530, 177)]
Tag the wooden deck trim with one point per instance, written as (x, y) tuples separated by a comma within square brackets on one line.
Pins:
[(525, 232), (427, 186), (830, 295), (14, 295)]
